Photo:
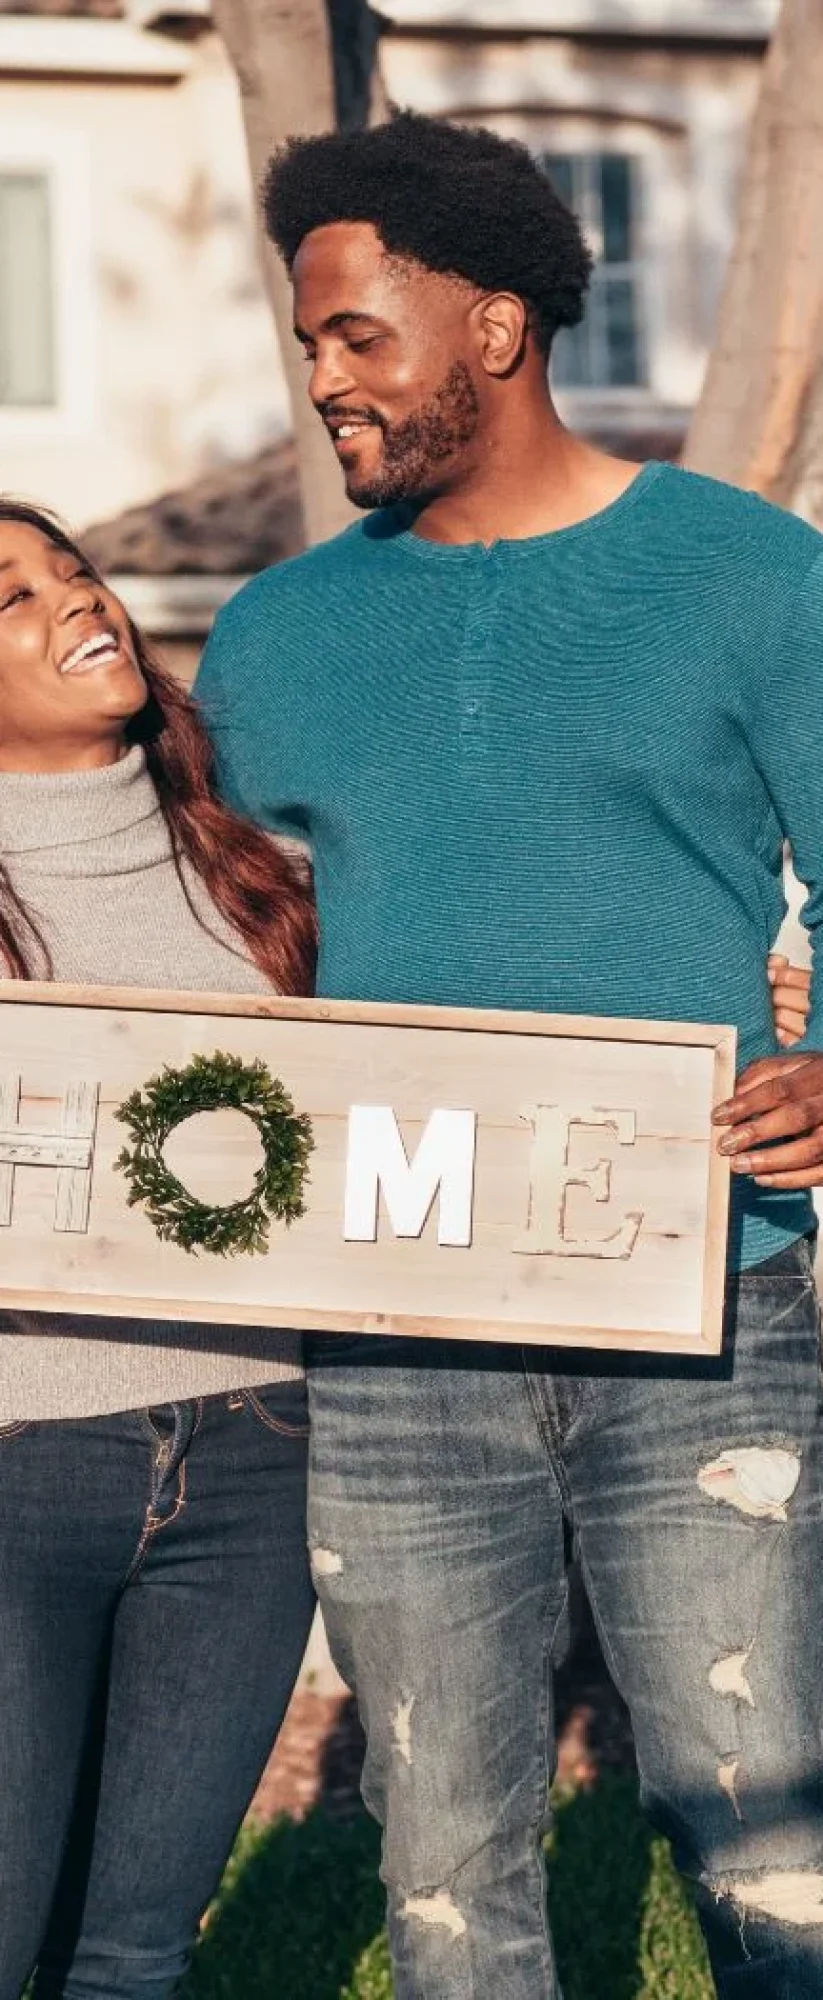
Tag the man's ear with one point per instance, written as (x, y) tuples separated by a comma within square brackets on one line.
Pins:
[(501, 325)]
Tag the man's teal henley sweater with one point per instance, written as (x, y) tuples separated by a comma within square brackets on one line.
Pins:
[(554, 773)]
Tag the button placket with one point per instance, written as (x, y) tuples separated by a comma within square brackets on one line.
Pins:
[(476, 658)]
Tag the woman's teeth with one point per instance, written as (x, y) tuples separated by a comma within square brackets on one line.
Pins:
[(92, 653)]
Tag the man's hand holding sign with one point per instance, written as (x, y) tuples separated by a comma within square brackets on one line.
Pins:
[(775, 1118)]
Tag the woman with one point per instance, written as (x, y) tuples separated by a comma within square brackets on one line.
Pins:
[(154, 1592)]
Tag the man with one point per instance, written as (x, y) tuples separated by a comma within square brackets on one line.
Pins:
[(545, 720)]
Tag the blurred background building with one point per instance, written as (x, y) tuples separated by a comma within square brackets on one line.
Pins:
[(141, 389)]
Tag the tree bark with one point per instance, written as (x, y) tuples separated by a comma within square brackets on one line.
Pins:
[(290, 86), (759, 421)]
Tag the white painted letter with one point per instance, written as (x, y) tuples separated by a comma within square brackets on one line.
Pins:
[(71, 1151), (377, 1158), (552, 1176)]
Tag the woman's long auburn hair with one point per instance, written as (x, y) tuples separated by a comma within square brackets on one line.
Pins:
[(252, 883)]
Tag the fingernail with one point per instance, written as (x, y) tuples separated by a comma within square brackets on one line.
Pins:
[(742, 1165), (728, 1145)]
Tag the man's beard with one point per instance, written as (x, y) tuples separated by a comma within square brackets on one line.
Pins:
[(414, 449)]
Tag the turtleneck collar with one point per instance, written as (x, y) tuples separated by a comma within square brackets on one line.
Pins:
[(82, 822)]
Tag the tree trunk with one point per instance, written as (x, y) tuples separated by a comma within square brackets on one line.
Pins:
[(291, 83), (759, 422)]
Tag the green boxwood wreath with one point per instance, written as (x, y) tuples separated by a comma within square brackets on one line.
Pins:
[(216, 1083)]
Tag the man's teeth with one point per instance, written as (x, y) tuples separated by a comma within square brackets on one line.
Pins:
[(351, 430), (91, 653)]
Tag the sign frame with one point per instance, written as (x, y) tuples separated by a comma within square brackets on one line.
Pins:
[(720, 1040)]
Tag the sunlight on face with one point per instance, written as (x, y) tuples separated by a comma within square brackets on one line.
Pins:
[(394, 374), (69, 676)]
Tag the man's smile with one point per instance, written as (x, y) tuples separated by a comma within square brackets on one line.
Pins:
[(346, 428)]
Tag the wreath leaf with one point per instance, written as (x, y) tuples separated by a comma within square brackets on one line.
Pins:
[(215, 1083)]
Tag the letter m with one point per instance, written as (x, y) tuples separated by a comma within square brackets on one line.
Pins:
[(377, 1159)]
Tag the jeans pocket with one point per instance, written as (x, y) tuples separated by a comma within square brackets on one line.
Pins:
[(281, 1407)]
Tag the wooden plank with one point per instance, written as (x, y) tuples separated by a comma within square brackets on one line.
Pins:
[(43, 1149), (316, 1321), (717, 1201), (73, 1195), (264, 1007), (9, 1102)]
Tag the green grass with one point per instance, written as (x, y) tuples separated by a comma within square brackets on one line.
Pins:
[(300, 1912)]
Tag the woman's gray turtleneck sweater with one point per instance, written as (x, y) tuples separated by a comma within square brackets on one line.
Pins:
[(90, 856)]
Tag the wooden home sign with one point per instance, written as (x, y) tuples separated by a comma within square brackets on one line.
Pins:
[(491, 1176)]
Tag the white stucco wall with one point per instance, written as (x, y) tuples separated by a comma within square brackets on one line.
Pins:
[(168, 348), (715, 19)]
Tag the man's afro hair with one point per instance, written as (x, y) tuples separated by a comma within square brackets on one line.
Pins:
[(454, 198)]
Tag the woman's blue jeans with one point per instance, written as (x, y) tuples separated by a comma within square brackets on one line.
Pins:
[(154, 1605)]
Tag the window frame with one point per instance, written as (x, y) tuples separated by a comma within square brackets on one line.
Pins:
[(632, 270), (63, 161)]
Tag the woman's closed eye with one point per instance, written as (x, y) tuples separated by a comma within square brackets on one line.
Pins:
[(14, 596)]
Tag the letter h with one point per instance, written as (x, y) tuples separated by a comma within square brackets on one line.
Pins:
[(71, 1151)]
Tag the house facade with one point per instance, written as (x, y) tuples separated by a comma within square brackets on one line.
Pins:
[(137, 354), (136, 347)]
